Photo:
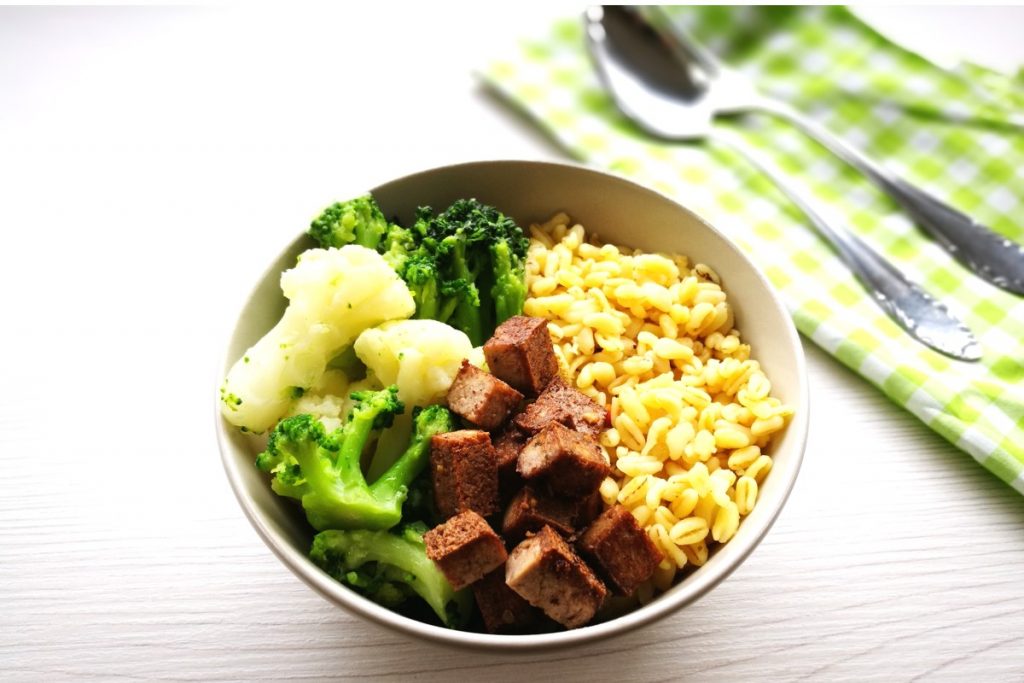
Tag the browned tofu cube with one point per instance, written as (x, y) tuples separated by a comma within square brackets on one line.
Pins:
[(503, 610), (482, 398), (464, 469), (587, 509), (521, 353), (531, 510), (465, 549), (620, 549), (569, 463), (507, 445), (545, 571), (564, 404)]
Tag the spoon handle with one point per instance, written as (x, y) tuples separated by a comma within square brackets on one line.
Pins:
[(985, 252), (913, 309)]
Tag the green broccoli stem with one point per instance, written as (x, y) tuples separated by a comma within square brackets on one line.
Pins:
[(394, 483), (509, 290), (354, 436), (444, 313), (466, 315), (426, 297), (485, 311)]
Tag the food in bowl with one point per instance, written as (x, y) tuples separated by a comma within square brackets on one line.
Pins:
[(335, 430), (652, 338)]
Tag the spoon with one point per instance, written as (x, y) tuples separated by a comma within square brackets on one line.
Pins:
[(986, 253), (668, 99)]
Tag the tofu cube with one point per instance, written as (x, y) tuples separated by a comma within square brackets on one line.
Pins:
[(521, 353), (546, 572), (531, 510), (464, 470), (566, 405), (482, 398), (503, 610), (507, 445), (465, 549), (569, 463), (620, 549)]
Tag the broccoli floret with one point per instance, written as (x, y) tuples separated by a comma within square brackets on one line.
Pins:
[(509, 288), (388, 566), (323, 470), (482, 254), (396, 246), (464, 269), (423, 278), (394, 483), (357, 221), (465, 266)]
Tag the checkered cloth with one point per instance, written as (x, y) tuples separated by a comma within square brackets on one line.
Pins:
[(958, 133)]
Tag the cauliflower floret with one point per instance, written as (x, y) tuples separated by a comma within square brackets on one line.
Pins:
[(334, 294), (476, 357), (325, 400), (326, 408), (421, 356)]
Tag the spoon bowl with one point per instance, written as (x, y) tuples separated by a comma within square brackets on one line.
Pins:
[(645, 77)]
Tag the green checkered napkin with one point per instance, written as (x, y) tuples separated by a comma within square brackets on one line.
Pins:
[(956, 132)]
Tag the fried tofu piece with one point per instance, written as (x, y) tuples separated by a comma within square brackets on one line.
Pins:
[(465, 549), (531, 510), (482, 398), (569, 463), (503, 610), (522, 354), (507, 445), (587, 509), (464, 469), (564, 404), (620, 549), (546, 572)]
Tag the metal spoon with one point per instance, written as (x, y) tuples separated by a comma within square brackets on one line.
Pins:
[(986, 253), (666, 99)]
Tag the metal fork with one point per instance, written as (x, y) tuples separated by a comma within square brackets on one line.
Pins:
[(985, 252)]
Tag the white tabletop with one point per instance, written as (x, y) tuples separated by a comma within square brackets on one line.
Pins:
[(151, 161)]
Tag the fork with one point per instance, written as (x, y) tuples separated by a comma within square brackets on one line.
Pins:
[(986, 253)]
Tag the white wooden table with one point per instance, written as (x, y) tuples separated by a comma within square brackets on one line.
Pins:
[(150, 162)]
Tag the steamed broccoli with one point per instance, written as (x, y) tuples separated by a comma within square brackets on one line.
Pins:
[(388, 566), (357, 221), (465, 266), (487, 250), (323, 470), (396, 246)]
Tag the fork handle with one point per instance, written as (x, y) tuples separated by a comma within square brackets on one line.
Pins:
[(910, 306), (985, 252)]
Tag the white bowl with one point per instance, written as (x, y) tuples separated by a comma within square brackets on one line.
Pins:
[(620, 212)]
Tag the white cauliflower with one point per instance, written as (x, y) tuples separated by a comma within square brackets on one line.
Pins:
[(421, 356), (325, 400), (477, 358), (334, 294)]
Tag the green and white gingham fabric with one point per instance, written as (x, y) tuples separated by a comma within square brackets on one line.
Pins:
[(959, 133)]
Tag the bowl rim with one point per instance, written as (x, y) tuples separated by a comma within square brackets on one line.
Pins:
[(699, 584)]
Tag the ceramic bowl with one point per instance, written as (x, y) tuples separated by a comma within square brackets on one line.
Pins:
[(620, 212)]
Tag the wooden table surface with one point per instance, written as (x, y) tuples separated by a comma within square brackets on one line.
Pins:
[(151, 160)]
